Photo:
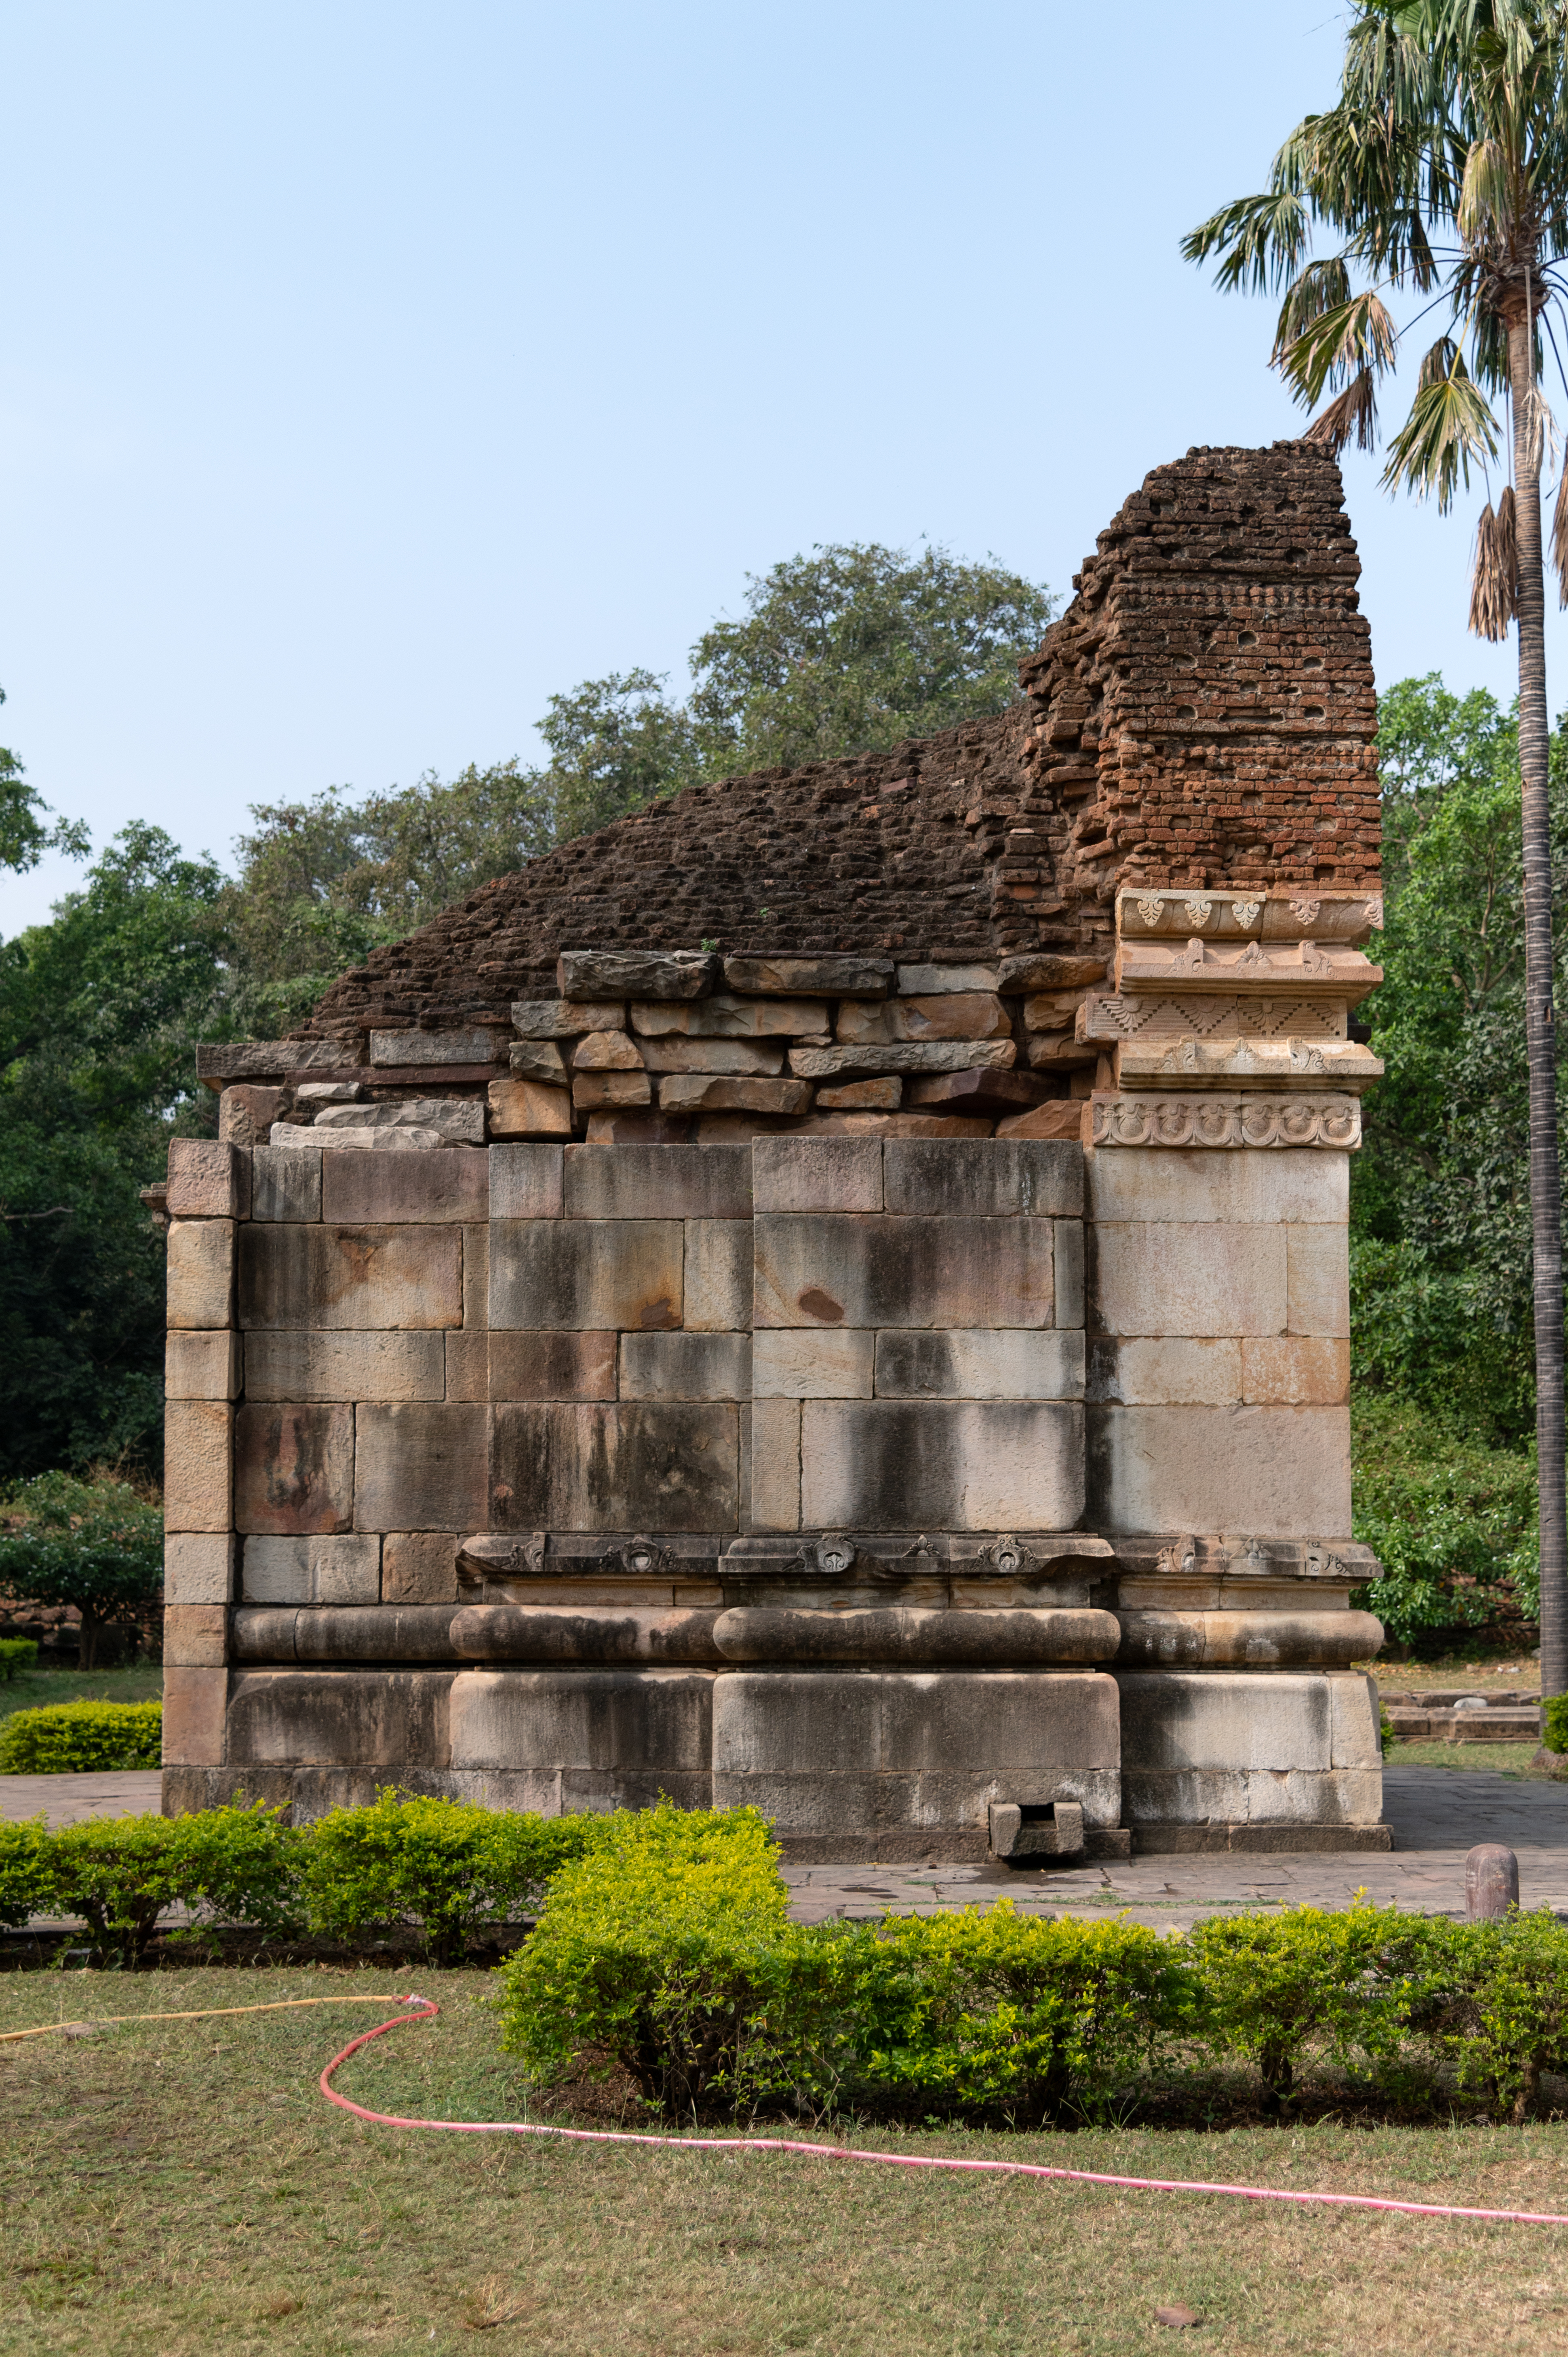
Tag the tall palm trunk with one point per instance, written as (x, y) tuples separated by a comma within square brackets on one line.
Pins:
[(1541, 1029)]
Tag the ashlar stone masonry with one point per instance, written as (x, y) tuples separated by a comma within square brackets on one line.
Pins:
[(833, 1294)]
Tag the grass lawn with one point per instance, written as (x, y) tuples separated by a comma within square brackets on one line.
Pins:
[(182, 2188), (39, 1689), (1502, 1758)]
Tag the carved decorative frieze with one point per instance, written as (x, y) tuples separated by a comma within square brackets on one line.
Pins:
[(1105, 1017), (1249, 1063), (1344, 917), (1246, 1119), (1196, 965)]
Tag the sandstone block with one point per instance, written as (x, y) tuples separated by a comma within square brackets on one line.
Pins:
[(828, 977), (972, 1364), (1052, 1010), (198, 1567), (467, 1367), (1189, 1277), (198, 1465), (379, 1140), (194, 1702), (686, 1366), (525, 1109), (1317, 1282), (419, 1567), (306, 1364), (840, 1174), (637, 1128), (294, 1468), (619, 1721), (208, 1179), (311, 1093), (923, 980), (201, 1366), (1282, 1372), (653, 1465), (1273, 1472), (984, 1179), (891, 1124), (1241, 1721), (718, 1272), (704, 1093), (345, 1570), (862, 1096), (1037, 970), (340, 1719), (1051, 1734), (477, 1276), (634, 973), (417, 1188), (841, 1063), (576, 1274), (526, 1182), (658, 1182), (894, 1465), (538, 1059), (405, 1276), (246, 1113), (1057, 1117), (566, 1018), (1167, 1371), (749, 1058), (456, 1120), (1294, 1184), (979, 1092), (732, 1018), (607, 1051), (787, 1363), (421, 1468), (201, 1273), (476, 1046), (774, 1486), (217, 1063), (1069, 1273), (852, 1270), (285, 1182), (963, 1014), (595, 1091)]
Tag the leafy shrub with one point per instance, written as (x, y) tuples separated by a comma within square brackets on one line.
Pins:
[(1272, 1983), (17, 1654), (658, 1954), (120, 1874), (23, 1877), (1043, 2019), (1452, 1522), (449, 1866), (1554, 1723), (75, 1738), (1497, 2000), (98, 1546)]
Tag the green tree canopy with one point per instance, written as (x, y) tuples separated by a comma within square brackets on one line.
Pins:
[(98, 1546)]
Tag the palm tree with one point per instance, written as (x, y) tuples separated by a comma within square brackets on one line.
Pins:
[(1441, 172)]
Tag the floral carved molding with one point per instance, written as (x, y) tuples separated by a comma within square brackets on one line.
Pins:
[(1249, 1119)]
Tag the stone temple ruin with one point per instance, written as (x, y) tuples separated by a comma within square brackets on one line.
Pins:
[(832, 1292)]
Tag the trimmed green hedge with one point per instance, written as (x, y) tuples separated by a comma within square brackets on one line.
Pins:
[(77, 1738)]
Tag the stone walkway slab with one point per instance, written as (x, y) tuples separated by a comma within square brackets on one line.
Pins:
[(64, 1800)]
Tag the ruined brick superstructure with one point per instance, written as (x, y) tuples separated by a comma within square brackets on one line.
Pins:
[(832, 1291)]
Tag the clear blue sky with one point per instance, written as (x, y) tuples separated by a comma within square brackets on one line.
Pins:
[(370, 372)]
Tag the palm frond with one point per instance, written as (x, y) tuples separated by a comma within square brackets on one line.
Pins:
[(1337, 345), (1484, 215), (1493, 581), (1262, 240), (1449, 425), (1323, 286), (1353, 413), (1560, 538)]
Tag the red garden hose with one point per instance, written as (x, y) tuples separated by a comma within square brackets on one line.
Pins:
[(429, 2009)]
